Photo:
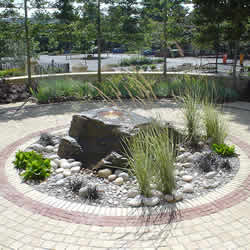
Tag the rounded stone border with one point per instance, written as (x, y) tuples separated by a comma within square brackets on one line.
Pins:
[(24, 196)]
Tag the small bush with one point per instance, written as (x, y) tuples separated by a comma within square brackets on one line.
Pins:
[(133, 61), (224, 150), (35, 166), (145, 67), (153, 67), (214, 124), (11, 72)]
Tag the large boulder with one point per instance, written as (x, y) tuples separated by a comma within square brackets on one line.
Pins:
[(94, 134)]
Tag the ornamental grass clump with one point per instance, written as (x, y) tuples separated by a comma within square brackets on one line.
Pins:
[(151, 158), (215, 125), (191, 114)]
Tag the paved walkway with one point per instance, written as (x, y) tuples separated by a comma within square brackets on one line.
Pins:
[(30, 220)]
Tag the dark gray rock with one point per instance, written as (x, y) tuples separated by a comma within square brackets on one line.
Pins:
[(94, 134)]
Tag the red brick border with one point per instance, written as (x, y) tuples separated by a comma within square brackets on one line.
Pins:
[(11, 194)]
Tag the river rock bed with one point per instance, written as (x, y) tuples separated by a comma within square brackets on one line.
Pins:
[(197, 173)]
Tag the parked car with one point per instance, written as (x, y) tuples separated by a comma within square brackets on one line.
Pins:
[(148, 52), (118, 50)]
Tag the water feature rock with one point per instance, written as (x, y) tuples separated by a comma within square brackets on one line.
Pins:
[(53, 164), (104, 173), (94, 134), (187, 165), (49, 148), (156, 193), (60, 182), (178, 196), (59, 176)]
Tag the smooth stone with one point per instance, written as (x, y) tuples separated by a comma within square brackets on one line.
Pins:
[(178, 196), (124, 176), (59, 170), (156, 193), (104, 173), (57, 161), (60, 182), (53, 157), (169, 197), (49, 148), (118, 181), (181, 173), (37, 147), (55, 150), (67, 172), (195, 157), (118, 171), (83, 192), (133, 193), (59, 176), (112, 177), (208, 185), (211, 175), (176, 172), (101, 188), (75, 170), (187, 165), (188, 188), (136, 202), (53, 164), (150, 202), (76, 164), (183, 157), (70, 160), (182, 149), (64, 164), (187, 178)]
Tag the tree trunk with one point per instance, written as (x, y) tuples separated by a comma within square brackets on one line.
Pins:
[(236, 46), (27, 41), (165, 39), (99, 42)]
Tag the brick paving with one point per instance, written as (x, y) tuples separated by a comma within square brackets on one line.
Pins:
[(30, 220)]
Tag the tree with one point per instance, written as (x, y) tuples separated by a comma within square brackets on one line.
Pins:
[(233, 15), (169, 15)]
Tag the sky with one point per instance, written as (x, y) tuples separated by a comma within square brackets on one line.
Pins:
[(20, 2)]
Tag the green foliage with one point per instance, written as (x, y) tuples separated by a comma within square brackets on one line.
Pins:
[(191, 115), (133, 61), (152, 67), (35, 166), (145, 67), (151, 158), (11, 72), (214, 124), (224, 150)]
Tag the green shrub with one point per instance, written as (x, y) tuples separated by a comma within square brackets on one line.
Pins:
[(224, 150), (145, 67), (132, 61), (153, 67), (11, 72), (35, 166), (214, 124)]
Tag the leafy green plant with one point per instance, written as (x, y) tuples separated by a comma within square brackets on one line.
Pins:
[(214, 124), (145, 67), (132, 61), (153, 67), (35, 166), (11, 72), (224, 150)]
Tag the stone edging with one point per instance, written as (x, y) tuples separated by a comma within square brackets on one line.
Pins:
[(24, 196)]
